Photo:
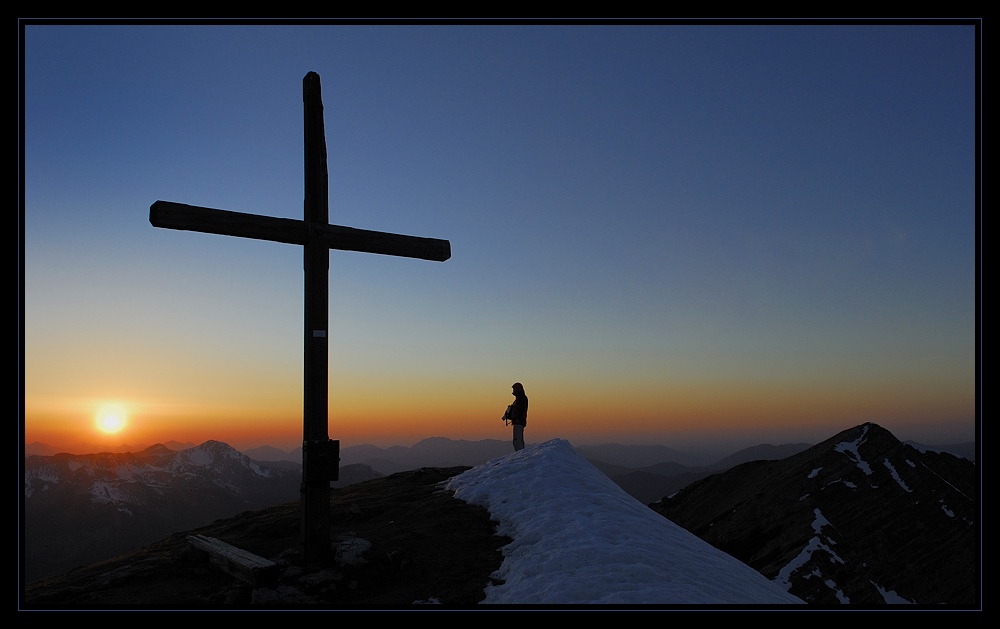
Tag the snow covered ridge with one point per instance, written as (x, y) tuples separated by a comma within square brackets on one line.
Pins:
[(580, 539)]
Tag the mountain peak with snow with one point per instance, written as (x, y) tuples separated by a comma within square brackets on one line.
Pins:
[(859, 519), (580, 539)]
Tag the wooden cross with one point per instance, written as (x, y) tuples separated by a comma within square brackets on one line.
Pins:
[(320, 454)]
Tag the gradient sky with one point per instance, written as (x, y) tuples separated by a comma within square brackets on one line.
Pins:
[(668, 233)]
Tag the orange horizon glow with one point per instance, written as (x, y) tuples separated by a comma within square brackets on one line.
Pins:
[(615, 413), (650, 270)]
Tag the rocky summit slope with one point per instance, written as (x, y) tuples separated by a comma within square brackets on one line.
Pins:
[(399, 540), (860, 519)]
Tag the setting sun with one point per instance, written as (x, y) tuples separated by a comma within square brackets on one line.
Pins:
[(111, 418)]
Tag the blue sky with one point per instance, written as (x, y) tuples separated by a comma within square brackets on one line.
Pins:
[(662, 230)]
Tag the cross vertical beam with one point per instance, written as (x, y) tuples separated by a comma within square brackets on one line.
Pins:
[(320, 454), (316, 450)]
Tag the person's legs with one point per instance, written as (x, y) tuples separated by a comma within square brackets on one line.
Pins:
[(518, 437)]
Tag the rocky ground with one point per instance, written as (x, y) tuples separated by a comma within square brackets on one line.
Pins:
[(400, 541)]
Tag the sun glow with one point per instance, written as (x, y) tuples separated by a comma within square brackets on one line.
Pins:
[(111, 418)]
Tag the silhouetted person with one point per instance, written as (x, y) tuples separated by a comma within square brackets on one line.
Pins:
[(517, 413)]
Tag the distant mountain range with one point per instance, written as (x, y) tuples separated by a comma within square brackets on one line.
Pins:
[(859, 519), (646, 472), (44, 449), (834, 520), (80, 509)]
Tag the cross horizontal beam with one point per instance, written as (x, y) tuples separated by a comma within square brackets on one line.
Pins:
[(171, 215)]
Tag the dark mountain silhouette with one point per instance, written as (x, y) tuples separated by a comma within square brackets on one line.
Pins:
[(351, 474), (647, 472), (646, 486), (964, 450), (651, 482), (268, 454), (860, 518), (399, 541), (79, 509), (39, 448), (640, 456), (431, 452), (44, 449), (763, 452)]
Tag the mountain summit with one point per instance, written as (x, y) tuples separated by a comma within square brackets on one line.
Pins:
[(859, 519)]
